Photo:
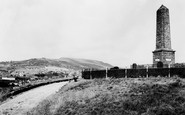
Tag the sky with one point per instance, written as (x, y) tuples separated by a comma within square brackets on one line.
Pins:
[(119, 32)]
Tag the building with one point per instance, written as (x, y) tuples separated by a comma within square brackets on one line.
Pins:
[(163, 53)]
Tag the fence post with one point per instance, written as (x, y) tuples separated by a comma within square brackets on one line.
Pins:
[(169, 70), (126, 72), (106, 73), (90, 74), (147, 71)]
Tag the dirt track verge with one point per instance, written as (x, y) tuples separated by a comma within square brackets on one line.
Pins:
[(29, 87), (22, 103)]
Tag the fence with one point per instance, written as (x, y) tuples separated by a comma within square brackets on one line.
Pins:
[(134, 73)]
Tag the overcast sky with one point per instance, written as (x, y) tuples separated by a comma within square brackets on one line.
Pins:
[(119, 32)]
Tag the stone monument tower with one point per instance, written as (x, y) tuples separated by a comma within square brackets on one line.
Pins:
[(163, 53)]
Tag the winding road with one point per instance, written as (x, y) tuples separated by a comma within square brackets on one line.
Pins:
[(24, 102)]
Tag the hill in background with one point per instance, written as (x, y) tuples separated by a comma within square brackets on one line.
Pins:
[(42, 65)]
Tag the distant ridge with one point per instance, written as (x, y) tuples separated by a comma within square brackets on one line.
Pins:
[(86, 63), (35, 65)]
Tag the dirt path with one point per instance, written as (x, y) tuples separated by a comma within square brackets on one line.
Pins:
[(26, 101)]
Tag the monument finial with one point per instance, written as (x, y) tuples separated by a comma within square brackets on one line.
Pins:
[(163, 7)]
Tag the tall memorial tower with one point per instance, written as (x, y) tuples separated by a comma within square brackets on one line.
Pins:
[(163, 52)]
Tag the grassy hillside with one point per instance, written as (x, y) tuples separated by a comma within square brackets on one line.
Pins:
[(38, 65), (141, 96), (4, 91)]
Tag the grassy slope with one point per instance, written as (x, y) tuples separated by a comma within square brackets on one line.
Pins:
[(4, 91), (147, 96)]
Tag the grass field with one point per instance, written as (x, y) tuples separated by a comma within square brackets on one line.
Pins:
[(139, 96)]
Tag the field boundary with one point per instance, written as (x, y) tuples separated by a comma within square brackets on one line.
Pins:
[(134, 73)]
